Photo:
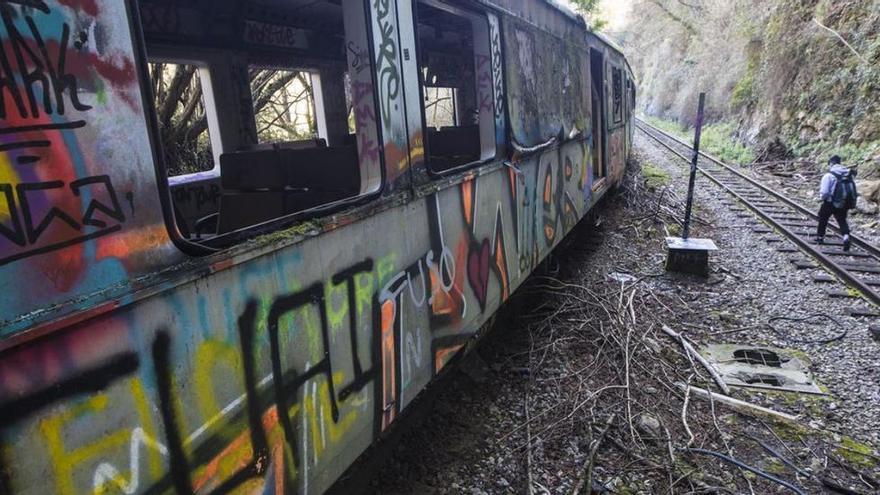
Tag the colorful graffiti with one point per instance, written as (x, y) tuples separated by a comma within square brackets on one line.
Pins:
[(78, 209), (310, 370), (271, 366)]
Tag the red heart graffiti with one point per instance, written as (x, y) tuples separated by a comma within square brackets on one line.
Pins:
[(478, 271)]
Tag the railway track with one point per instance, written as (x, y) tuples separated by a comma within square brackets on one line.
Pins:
[(859, 267)]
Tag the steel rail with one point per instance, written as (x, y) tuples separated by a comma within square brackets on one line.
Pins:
[(788, 201), (867, 291)]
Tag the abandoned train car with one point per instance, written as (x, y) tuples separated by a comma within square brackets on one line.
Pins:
[(206, 291)]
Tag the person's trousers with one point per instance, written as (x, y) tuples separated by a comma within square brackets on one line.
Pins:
[(825, 213)]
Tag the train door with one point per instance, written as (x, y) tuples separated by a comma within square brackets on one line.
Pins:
[(597, 72)]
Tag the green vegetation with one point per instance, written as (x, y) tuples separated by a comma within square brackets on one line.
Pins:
[(851, 154), (744, 92), (856, 453), (590, 10), (773, 465), (718, 140), (655, 177)]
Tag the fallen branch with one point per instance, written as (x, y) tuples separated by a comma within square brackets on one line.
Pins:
[(835, 33), (586, 479), (696, 355), (737, 404), (684, 413)]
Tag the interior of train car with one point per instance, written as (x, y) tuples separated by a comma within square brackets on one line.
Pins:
[(450, 40), (271, 120), (258, 124)]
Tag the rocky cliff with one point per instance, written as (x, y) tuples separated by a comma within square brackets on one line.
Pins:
[(795, 77)]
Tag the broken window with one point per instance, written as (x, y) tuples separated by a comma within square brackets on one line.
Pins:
[(179, 101), (547, 79), (284, 105), (290, 132), (440, 107), (456, 78)]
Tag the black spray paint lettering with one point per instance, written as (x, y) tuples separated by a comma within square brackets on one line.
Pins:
[(26, 225), (389, 73), (201, 194), (36, 67)]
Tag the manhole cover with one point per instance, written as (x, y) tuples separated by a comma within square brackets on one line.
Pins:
[(761, 367)]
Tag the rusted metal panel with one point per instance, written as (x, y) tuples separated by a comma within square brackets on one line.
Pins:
[(547, 84)]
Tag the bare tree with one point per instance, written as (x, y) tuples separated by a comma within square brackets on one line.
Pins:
[(183, 123)]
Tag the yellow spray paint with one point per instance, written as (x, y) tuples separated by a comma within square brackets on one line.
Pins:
[(142, 406), (7, 176), (363, 290), (65, 462), (209, 354), (336, 297), (317, 407)]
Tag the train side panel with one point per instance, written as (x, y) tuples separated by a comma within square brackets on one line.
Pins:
[(279, 371), (271, 366)]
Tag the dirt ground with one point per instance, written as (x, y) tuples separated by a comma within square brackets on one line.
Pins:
[(577, 384)]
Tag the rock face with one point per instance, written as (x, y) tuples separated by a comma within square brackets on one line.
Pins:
[(778, 68), (869, 197), (866, 207)]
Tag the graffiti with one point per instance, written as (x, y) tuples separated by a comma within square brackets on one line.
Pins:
[(107, 474), (126, 366), (198, 195), (359, 57), (262, 33), (429, 281), (559, 210), (484, 83), (497, 68), (36, 68), (389, 73), (32, 225), (161, 17), (92, 380), (364, 116), (349, 348)]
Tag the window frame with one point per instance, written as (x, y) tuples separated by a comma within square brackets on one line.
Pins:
[(315, 104), (204, 73), (469, 14), (164, 50)]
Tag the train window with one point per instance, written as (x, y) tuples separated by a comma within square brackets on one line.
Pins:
[(548, 84), (440, 108), (456, 79), (297, 123), (617, 95), (284, 105), (184, 125)]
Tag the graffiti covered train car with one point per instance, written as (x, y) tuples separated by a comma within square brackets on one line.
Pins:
[(204, 293)]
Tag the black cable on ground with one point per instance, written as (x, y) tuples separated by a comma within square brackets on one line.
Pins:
[(826, 482), (843, 333), (779, 456), (742, 465)]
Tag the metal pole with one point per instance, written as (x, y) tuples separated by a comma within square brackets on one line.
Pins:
[(686, 231)]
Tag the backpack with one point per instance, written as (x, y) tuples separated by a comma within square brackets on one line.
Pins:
[(845, 193)]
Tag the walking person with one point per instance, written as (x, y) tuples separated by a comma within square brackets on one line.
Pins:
[(839, 194)]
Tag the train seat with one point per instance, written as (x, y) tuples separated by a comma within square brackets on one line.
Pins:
[(450, 147), (261, 185), (290, 145)]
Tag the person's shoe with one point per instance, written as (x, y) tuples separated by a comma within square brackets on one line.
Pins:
[(820, 240), (846, 242)]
